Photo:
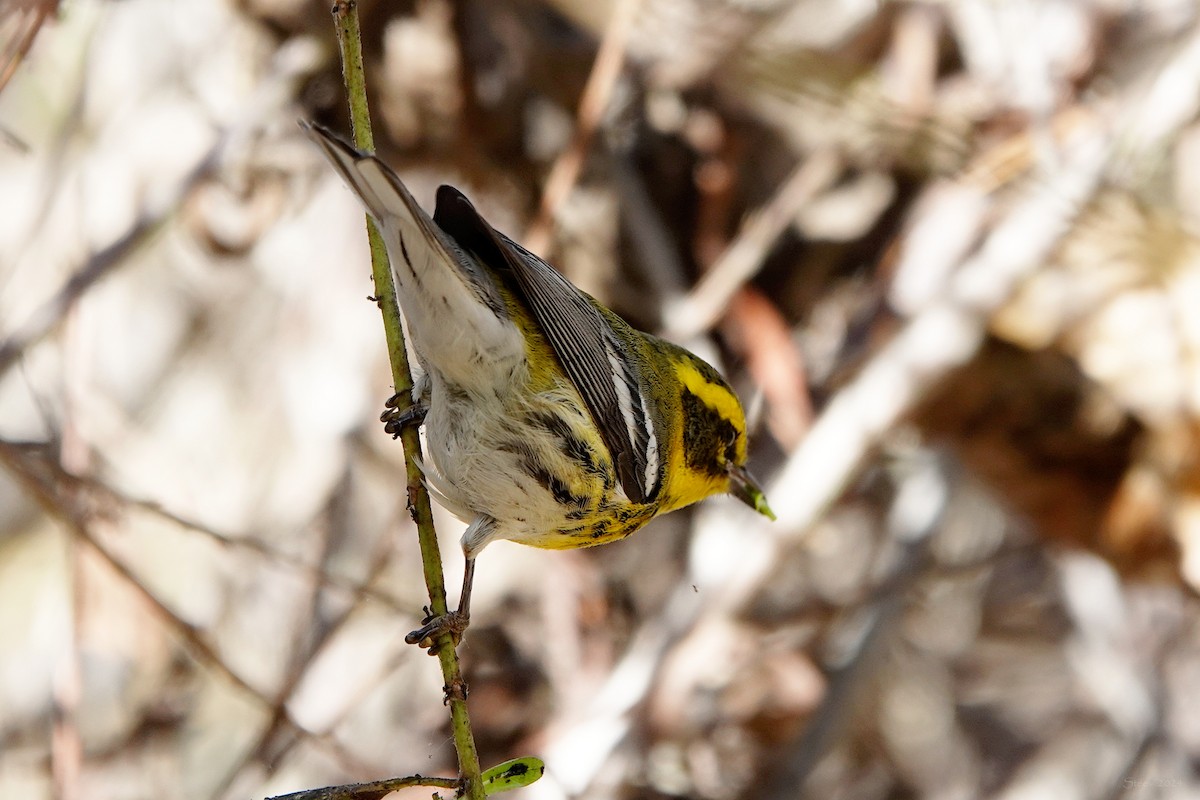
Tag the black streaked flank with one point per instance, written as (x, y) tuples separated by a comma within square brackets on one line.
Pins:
[(407, 257), (545, 478), (554, 484), (455, 393), (571, 445)]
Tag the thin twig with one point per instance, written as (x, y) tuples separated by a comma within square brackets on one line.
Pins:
[(697, 312), (278, 723), (369, 791), (74, 454), (63, 502), (276, 89), (125, 503), (349, 39), (46, 319), (942, 336), (30, 19)]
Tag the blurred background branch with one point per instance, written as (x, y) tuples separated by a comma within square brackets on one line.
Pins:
[(946, 250)]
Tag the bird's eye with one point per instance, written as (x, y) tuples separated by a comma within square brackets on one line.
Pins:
[(729, 454)]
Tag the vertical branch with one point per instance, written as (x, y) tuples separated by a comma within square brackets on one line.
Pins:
[(346, 20)]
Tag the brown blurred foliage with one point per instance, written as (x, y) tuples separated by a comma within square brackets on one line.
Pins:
[(947, 252)]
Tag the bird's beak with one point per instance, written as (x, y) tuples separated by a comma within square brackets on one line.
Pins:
[(743, 487)]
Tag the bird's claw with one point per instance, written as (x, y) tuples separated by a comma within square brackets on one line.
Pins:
[(429, 634), (395, 419)]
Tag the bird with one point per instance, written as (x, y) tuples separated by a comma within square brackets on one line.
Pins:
[(549, 421)]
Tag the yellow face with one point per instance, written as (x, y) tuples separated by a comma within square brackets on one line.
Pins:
[(712, 441)]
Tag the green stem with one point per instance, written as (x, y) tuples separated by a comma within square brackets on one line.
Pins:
[(346, 20)]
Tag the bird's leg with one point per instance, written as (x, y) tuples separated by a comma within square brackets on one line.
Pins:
[(453, 623), (394, 420)]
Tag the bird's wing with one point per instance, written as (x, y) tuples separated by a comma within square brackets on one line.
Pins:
[(583, 338)]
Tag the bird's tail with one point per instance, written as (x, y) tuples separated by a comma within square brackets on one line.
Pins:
[(455, 312)]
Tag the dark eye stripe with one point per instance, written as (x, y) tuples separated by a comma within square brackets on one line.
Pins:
[(706, 436)]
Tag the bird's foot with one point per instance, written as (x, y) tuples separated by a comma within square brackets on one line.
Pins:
[(395, 419), (429, 634)]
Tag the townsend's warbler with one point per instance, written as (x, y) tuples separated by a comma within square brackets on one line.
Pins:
[(549, 421)]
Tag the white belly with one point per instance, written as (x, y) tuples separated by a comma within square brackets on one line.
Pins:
[(481, 452)]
